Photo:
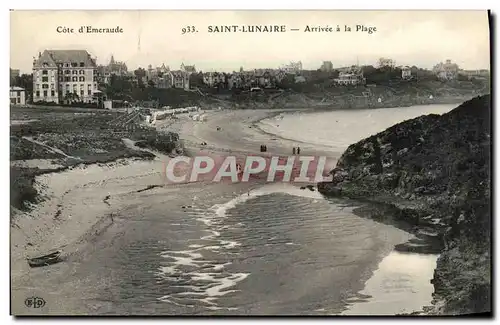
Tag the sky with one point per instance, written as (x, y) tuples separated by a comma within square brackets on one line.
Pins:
[(421, 38)]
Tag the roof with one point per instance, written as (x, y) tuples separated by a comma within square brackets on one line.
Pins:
[(52, 57), (16, 88), (189, 68)]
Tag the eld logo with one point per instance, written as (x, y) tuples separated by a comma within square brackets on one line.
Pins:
[(34, 302)]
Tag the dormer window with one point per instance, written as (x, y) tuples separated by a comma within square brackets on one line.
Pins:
[(45, 64), (82, 64), (66, 65)]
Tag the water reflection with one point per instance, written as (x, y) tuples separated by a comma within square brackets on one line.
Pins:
[(401, 284)]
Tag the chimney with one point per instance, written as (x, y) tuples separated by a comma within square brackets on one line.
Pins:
[(39, 54)]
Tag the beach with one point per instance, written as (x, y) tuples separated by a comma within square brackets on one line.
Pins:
[(92, 212), (81, 200)]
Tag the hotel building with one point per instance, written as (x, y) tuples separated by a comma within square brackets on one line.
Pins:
[(64, 76)]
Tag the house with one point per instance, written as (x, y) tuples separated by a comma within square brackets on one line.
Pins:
[(406, 73), (293, 67), (327, 66), (188, 68), (117, 67), (64, 76), (234, 80), (446, 71), (212, 79), (179, 79), (17, 96), (350, 76)]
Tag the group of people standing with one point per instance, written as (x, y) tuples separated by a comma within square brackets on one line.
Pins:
[(296, 150)]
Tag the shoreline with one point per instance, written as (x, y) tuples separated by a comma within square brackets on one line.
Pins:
[(83, 209), (305, 111)]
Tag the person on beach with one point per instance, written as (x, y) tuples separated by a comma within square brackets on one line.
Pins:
[(293, 151), (298, 150)]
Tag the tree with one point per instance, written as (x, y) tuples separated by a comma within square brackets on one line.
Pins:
[(140, 73), (24, 81), (71, 97)]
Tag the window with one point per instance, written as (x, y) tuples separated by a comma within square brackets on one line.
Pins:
[(82, 78), (82, 64), (89, 86), (18, 93), (19, 100), (38, 93), (45, 86), (74, 64), (67, 87), (82, 93), (37, 86), (82, 71), (51, 86), (67, 72), (95, 86), (66, 65), (81, 86), (75, 71), (90, 92), (45, 72), (52, 93), (44, 93), (75, 78), (67, 79), (52, 79), (45, 79), (95, 78)]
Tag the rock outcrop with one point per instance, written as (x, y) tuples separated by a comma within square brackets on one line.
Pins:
[(436, 170)]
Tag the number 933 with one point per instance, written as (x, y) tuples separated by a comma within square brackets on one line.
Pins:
[(188, 29)]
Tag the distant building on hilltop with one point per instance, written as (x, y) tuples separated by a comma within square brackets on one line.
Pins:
[(64, 76), (481, 73), (293, 67), (446, 71), (350, 76), (327, 66), (116, 68), (406, 73)]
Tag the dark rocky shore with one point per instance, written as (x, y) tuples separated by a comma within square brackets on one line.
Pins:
[(434, 171)]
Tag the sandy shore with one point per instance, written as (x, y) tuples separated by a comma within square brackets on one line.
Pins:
[(79, 201)]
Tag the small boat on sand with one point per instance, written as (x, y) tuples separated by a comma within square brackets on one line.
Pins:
[(45, 260)]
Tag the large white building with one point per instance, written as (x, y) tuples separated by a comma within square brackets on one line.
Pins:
[(64, 76)]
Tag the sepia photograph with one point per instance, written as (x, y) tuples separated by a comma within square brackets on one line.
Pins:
[(250, 163)]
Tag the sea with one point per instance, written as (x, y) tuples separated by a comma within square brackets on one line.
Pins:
[(273, 250)]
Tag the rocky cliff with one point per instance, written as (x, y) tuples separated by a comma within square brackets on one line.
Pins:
[(435, 170)]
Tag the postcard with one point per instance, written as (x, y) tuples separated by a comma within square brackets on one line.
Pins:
[(257, 163)]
